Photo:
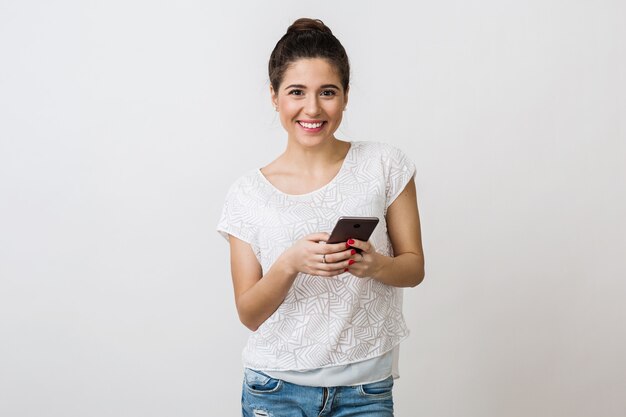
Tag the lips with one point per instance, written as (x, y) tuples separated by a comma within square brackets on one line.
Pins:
[(311, 124)]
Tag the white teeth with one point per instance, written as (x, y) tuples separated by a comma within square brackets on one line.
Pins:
[(311, 125)]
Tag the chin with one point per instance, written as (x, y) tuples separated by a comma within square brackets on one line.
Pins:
[(312, 140), (311, 144)]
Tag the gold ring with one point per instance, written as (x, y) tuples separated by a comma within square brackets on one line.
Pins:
[(324, 258)]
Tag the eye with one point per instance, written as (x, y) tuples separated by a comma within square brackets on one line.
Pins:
[(329, 93), (296, 92)]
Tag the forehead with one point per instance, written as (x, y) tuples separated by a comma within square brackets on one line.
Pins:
[(311, 72)]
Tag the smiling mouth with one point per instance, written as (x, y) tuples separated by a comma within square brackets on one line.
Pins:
[(310, 125)]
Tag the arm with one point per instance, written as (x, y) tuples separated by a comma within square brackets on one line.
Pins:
[(257, 296), (256, 299), (406, 267)]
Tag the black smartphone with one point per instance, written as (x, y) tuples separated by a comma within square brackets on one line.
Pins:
[(360, 228)]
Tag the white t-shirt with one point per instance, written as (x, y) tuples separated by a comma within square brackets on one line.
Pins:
[(323, 322)]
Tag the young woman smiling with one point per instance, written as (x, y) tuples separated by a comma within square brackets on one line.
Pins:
[(326, 321)]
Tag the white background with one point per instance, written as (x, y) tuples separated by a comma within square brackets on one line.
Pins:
[(122, 124)]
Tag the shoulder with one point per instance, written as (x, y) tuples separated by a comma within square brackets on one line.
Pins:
[(247, 181), (378, 150), (242, 196), (246, 190), (238, 211)]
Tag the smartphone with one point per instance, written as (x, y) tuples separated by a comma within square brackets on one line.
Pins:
[(360, 228)]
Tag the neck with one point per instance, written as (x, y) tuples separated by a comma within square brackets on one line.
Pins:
[(315, 157)]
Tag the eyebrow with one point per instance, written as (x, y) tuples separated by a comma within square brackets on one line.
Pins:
[(302, 86)]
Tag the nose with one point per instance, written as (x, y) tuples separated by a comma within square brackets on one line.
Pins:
[(312, 105)]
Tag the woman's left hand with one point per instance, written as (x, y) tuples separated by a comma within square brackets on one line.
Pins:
[(367, 263)]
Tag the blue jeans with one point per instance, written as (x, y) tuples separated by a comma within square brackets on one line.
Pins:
[(263, 396)]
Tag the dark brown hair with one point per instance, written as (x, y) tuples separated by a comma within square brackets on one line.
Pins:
[(308, 38)]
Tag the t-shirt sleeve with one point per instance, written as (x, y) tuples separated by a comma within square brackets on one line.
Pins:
[(237, 215), (399, 170)]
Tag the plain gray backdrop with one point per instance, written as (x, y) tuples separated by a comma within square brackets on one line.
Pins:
[(123, 123)]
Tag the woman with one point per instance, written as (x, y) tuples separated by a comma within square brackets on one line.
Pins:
[(326, 320)]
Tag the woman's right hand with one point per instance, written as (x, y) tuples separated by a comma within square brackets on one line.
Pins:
[(311, 255), (258, 295)]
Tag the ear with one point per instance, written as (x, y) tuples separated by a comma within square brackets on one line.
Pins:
[(345, 97), (274, 97)]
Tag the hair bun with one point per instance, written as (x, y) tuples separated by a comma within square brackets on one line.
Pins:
[(308, 38), (305, 24)]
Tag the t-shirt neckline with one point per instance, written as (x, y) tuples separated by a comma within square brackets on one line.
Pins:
[(322, 188)]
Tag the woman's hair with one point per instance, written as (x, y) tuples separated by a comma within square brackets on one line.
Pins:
[(308, 38)]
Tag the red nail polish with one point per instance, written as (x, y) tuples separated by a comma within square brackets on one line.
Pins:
[(350, 242), (351, 261), (347, 246), (345, 270), (352, 252)]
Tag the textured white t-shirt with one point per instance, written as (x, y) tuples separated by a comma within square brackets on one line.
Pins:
[(322, 322)]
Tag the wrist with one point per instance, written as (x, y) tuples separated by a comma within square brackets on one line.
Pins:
[(283, 264), (383, 263)]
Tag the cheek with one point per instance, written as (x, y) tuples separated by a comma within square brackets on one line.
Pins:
[(337, 114), (286, 119), (336, 109), (288, 110)]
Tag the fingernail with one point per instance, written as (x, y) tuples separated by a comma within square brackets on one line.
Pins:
[(351, 261), (352, 252), (347, 246), (350, 242), (345, 270)]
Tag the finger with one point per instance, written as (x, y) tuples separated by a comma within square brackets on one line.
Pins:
[(329, 268), (317, 237), (330, 273), (335, 268), (333, 248), (340, 256), (359, 244)]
